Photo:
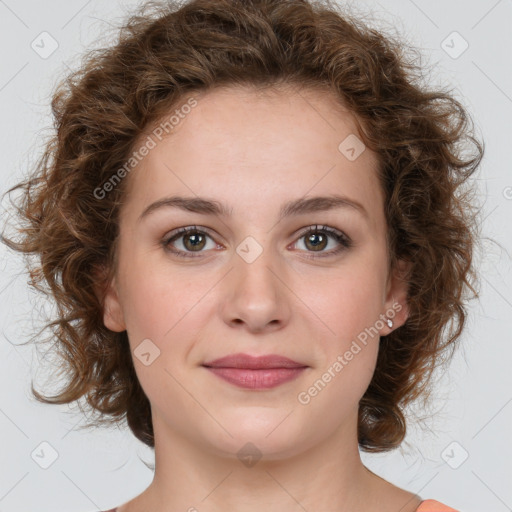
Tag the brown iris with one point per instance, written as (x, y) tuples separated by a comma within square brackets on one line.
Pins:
[(313, 237), (198, 241)]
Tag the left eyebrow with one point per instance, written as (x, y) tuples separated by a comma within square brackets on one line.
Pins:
[(299, 206)]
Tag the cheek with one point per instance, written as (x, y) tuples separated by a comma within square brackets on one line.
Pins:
[(155, 296), (345, 302), (345, 308), (347, 348)]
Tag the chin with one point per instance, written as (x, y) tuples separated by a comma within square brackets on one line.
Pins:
[(266, 436)]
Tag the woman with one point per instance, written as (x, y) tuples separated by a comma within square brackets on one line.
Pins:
[(253, 220)]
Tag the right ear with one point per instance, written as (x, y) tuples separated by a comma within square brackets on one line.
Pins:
[(108, 295)]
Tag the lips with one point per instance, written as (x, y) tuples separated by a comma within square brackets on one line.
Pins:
[(254, 362), (249, 372)]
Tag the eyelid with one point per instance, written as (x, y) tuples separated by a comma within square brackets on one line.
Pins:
[(321, 227)]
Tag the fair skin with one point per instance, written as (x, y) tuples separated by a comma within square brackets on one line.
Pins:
[(255, 153)]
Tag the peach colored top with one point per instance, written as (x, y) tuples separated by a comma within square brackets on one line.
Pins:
[(434, 506), (425, 506)]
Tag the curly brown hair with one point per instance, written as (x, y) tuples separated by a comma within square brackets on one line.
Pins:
[(166, 51)]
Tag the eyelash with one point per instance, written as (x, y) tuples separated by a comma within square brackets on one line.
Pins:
[(344, 241)]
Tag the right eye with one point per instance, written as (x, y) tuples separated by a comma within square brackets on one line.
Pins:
[(192, 240)]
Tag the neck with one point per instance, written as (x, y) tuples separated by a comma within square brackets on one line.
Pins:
[(194, 477)]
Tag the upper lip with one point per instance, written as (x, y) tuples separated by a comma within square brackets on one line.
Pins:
[(254, 362)]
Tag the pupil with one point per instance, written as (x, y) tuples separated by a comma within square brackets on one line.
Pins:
[(312, 237), (197, 239)]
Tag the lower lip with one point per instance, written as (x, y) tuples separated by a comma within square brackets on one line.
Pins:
[(257, 379)]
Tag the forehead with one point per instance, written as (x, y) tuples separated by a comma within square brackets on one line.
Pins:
[(231, 119), (242, 145)]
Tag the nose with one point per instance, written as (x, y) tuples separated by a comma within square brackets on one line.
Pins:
[(255, 295)]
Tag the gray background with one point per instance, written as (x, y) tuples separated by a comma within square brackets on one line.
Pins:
[(459, 452)]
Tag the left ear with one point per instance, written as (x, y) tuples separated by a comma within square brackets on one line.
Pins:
[(396, 306)]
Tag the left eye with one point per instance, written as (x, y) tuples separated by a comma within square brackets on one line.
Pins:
[(316, 240)]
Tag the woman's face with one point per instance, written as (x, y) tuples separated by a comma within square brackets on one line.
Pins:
[(251, 280)]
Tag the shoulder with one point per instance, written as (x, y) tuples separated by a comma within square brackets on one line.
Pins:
[(434, 506)]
